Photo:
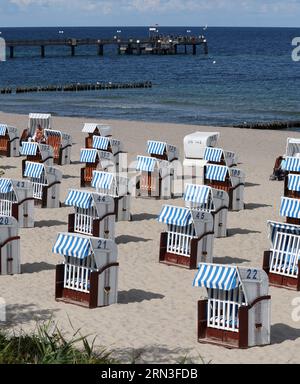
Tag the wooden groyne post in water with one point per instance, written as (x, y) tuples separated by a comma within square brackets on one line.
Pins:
[(77, 87)]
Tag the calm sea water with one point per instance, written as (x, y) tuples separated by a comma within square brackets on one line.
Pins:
[(253, 77)]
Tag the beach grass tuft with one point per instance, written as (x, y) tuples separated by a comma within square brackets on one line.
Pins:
[(47, 345)]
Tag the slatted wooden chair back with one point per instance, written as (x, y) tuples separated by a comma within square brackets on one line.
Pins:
[(88, 171), (285, 254), (149, 183), (55, 143), (3, 144)]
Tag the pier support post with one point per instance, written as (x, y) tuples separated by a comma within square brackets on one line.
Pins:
[(100, 50), (175, 49), (185, 49), (138, 49), (206, 48), (11, 52), (73, 50), (42, 51), (119, 49), (194, 49)]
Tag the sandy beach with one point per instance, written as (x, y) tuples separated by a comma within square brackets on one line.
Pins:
[(155, 319)]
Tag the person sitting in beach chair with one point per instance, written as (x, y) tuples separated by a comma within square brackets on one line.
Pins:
[(39, 136), (278, 172)]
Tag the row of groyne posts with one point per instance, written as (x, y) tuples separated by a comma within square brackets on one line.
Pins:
[(77, 87), (159, 45)]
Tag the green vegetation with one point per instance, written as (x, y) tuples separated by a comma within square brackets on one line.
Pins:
[(49, 347)]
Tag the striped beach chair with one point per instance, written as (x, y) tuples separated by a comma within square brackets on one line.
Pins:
[(117, 187), (162, 151), (89, 275), (16, 200), (236, 313), (207, 199), (292, 186), (9, 141), (282, 260), (9, 246), (285, 164), (220, 157), (292, 147), (189, 237), (37, 153), (291, 165), (230, 180), (111, 150), (61, 144), (155, 178), (290, 208), (94, 214), (94, 160), (44, 120), (94, 129), (46, 184)]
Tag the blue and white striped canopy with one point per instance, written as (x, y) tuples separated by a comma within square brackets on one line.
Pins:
[(80, 199), (291, 164), (52, 132), (102, 180), (213, 154), (294, 182), (5, 186), (216, 172), (156, 147), (197, 193), (34, 170), (29, 149), (171, 215), (3, 129), (290, 208), (72, 245), (100, 142), (88, 155), (283, 228), (145, 164), (217, 277)]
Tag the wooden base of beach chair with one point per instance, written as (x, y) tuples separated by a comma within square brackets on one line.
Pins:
[(168, 258), (280, 281), (226, 338), (96, 295)]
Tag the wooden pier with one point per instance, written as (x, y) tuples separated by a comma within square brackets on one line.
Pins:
[(158, 45)]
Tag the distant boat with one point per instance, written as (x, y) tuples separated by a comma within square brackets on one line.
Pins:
[(205, 28), (61, 32)]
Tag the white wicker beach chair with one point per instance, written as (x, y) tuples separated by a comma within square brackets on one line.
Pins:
[(236, 313), (189, 237), (89, 274), (207, 199), (94, 214)]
